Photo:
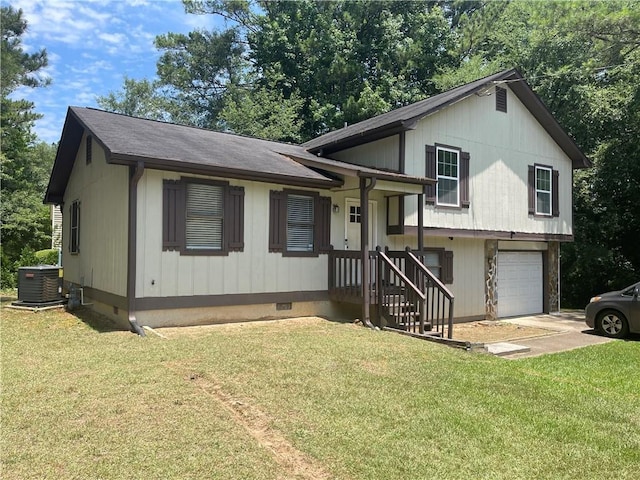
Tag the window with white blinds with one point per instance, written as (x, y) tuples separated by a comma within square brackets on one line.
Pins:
[(300, 223), (204, 216)]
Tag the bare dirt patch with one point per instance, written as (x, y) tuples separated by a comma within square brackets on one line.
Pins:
[(295, 463), (198, 330), (496, 331)]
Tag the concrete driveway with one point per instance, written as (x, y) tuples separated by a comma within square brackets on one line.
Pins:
[(567, 331)]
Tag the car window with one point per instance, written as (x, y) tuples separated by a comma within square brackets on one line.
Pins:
[(629, 291)]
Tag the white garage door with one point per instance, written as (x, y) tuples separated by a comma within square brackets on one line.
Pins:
[(519, 283)]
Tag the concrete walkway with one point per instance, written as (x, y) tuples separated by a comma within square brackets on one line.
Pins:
[(568, 331)]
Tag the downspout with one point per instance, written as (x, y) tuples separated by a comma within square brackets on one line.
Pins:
[(421, 222), (364, 248), (135, 175)]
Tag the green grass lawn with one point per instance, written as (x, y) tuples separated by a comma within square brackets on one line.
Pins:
[(305, 399)]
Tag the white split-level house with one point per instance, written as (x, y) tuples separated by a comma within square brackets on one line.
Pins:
[(467, 195)]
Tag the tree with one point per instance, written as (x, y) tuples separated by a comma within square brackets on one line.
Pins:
[(197, 69), (262, 113), (334, 54), (24, 220), (145, 99), (330, 62)]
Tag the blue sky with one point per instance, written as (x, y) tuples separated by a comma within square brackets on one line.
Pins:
[(91, 46)]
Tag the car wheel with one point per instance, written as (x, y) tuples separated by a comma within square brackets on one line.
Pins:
[(612, 324)]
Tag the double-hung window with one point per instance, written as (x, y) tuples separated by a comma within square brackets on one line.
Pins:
[(449, 166), (543, 191), (299, 223), (202, 217), (544, 187), (448, 191)]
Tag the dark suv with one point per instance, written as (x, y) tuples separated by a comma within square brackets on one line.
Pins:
[(615, 314)]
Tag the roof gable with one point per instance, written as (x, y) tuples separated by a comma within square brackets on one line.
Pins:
[(405, 118)]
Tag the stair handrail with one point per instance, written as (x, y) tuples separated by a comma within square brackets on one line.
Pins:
[(441, 286), (416, 261), (405, 280)]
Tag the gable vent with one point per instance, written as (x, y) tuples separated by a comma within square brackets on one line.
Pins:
[(501, 99)]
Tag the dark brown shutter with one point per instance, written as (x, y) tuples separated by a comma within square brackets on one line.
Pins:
[(323, 225), (464, 179), (532, 190), (430, 190), (555, 205), (277, 221), (234, 219), (501, 99), (447, 267), (172, 214)]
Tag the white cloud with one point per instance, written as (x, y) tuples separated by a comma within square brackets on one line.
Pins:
[(114, 38), (92, 45)]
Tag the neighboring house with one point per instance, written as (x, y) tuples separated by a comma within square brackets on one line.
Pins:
[(173, 225), (56, 227)]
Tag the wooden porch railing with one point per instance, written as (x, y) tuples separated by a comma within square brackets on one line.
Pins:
[(404, 290), (345, 276)]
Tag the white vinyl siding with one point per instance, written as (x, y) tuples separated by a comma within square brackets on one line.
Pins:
[(502, 148), (300, 223), (204, 216), (448, 176)]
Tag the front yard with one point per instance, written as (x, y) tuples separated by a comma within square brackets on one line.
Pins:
[(305, 399)]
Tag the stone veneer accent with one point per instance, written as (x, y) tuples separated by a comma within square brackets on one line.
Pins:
[(491, 279)]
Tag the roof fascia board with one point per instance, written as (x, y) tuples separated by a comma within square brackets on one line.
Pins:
[(395, 178), (363, 137), (167, 165), (64, 160), (357, 173)]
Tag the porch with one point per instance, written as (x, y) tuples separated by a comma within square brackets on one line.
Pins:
[(401, 292)]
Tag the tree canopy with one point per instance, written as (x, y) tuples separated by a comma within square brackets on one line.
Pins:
[(24, 221)]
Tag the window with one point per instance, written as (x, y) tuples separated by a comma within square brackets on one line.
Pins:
[(89, 147), (299, 223), (449, 166), (448, 177), (354, 214), (543, 191), (74, 240), (501, 99), (440, 262), (202, 217)]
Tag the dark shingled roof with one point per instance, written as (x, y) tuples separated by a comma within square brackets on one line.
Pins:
[(404, 118), (129, 140)]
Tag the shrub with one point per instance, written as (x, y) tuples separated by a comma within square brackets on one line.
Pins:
[(47, 257)]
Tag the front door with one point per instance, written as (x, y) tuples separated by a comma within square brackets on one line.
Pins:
[(353, 216)]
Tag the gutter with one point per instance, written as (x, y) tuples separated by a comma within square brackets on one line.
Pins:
[(135, 175)]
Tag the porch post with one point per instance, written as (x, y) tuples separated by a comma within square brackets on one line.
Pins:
[(364, 248), (420, 222)]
